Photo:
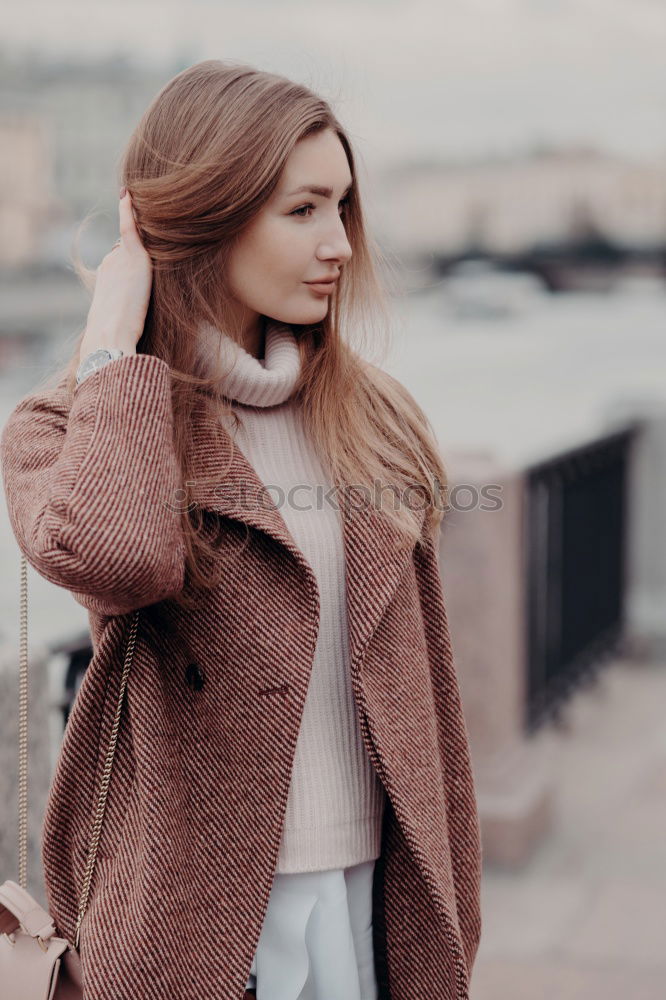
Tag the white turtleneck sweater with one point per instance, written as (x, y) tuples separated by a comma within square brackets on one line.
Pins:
[(336, 800)]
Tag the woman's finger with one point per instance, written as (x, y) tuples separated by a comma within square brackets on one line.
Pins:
[(127, 222)]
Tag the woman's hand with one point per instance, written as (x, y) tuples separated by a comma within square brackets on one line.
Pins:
[(118, 310)]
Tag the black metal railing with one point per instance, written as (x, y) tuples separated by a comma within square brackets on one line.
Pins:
[(575, 541)]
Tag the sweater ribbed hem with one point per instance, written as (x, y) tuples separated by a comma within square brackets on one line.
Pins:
[(344, 844)]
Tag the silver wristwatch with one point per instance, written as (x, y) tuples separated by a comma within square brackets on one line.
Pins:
[(96, 360)]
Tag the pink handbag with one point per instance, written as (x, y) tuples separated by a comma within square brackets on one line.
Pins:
[(35, 964)]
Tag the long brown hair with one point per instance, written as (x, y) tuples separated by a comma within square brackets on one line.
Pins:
[(203, 160)]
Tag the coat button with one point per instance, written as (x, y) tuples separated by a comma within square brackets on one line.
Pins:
[(194, 676)]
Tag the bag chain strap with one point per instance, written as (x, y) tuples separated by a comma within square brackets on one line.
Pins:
[(23, 753)]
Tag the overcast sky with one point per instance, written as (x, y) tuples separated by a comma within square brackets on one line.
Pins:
[(413, 79)]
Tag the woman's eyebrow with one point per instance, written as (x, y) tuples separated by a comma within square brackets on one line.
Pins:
[(325, 192)]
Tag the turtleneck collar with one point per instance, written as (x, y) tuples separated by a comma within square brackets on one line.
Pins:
[(259, 381)]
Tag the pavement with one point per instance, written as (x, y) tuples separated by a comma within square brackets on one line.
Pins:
[(585, 919)]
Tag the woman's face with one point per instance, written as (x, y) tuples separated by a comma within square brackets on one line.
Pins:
[(297, 237)]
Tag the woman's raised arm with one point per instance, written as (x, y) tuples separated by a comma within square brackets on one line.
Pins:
[(92, 481)]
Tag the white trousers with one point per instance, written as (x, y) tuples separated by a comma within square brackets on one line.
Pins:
[(316, 939)]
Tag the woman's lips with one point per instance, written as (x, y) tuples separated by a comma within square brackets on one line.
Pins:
[(323, 287)]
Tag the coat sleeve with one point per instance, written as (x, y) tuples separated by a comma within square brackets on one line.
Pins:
[(91, 485), (463, 817)]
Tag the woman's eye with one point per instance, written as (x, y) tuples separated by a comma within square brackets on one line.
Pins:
[(303, 208), (298, 211)]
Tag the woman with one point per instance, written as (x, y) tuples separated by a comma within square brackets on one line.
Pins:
[(292, 812)]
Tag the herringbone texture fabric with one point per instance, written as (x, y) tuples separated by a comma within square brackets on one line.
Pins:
[(214, 701)]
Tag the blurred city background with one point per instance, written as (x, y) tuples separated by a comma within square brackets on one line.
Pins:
[(513, 167)]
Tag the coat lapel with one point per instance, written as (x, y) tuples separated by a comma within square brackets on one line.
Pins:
[(375, 554)]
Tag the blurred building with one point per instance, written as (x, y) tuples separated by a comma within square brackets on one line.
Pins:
[(511, 205), (63, 127), (26, 186)]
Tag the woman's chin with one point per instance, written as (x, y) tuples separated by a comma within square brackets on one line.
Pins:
[(304, 315)]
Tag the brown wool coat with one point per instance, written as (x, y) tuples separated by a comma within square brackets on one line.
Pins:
[(214, 701)]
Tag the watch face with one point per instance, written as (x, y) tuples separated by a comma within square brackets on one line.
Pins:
[(101, 354), (93, 361)]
